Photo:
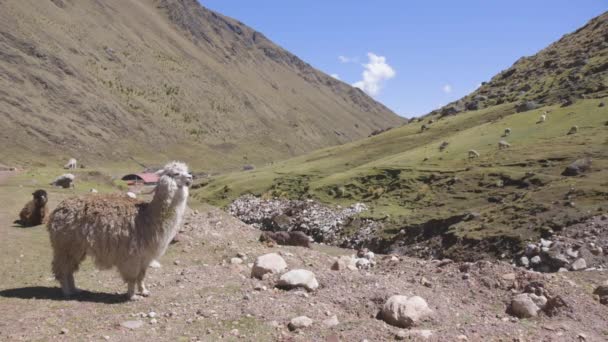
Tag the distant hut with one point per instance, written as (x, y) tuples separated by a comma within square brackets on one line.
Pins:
[(143, 178)]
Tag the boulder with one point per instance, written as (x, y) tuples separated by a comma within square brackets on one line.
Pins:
[(298, 278), (268, 263), (363, 263), (578, 264), (331, 322), (578, 167), (526, 106), (343, 263), (523, 306), (535, 260), (299, 323), (405, 311)]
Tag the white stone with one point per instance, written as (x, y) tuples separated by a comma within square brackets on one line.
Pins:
[(299, 323), (523, 306), (131, 194), (331, 322), (236, 261), (152, 314), (579, 264), (369, 255), (524, 261), (155, 264), (344, 262), (405, 312), (299, 278), (363, 263), (267, 264), (546, 243), (93, 191), (535, 260), (540, 301), (132, 324)]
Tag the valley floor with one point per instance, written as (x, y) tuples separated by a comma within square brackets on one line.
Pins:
[(198, 294)]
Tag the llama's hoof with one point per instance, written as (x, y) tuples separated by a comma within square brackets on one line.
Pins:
[(136, 297), (145, 293)]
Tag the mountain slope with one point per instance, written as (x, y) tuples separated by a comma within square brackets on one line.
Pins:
[(162, 79), (574, 67), (413, 186)]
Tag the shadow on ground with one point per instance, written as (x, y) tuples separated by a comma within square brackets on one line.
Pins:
[(54, 293)]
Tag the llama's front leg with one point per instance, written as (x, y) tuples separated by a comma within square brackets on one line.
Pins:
[(141, 287), (131, 291)]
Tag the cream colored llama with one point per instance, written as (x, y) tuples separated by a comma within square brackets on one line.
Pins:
[(116, 230)]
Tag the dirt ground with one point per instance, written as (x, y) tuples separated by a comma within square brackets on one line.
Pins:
[(198, 295)]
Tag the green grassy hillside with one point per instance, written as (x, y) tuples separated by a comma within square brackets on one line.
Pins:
[(424, 193), (408, 182)]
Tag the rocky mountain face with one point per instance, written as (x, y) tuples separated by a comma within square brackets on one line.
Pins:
[(574, 67), (163, 79)]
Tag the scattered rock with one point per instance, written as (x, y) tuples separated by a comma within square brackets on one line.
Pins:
[(363, 263), (64, 331), (298, 278), (268, 263), (405, 312), (132, 324), (299, 323), (343, 263), (236, 261), (523, 306), (578, 167), (155, 264), (578, 264), (331, 322)]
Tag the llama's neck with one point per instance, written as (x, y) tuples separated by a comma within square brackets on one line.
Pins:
[(169, 203)]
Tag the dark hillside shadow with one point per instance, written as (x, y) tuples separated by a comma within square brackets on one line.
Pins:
[(54, 293)]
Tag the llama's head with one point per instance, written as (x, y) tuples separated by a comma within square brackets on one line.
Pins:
[(40, 197), (175, 173)]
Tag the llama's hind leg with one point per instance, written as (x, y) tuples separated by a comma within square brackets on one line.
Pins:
[(64, 266)]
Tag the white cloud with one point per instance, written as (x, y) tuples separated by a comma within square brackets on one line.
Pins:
[(447, 88), (336, 76), (343, 59), (376, 72)]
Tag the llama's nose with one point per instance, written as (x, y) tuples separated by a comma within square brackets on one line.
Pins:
[(189, 180)]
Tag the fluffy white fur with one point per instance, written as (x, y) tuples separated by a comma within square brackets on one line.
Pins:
[(116, 230)]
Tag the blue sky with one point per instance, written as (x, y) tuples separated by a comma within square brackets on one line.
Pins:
[(423, 53)]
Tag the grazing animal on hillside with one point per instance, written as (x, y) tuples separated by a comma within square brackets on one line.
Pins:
[(542, 118), (71, 164), (503, 145), (293, 238), (65, 181), (424, 128), (573, 130), (443, 145), (35, 212), (507, 132), (116, 230), (473, 154)]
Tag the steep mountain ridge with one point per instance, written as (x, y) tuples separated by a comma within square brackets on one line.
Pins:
[(163, 79), (574, 67)]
